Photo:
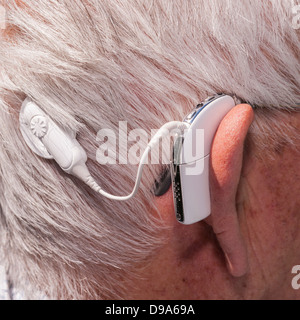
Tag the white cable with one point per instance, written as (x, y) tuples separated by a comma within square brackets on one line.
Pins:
[(82, 172), (92, 183)]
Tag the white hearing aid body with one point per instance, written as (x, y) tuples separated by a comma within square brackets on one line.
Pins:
[(190, 173)]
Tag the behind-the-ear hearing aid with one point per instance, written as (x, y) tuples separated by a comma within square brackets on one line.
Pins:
[(189, 172), (191, 192)]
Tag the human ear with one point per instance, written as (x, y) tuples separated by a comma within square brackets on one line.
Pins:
[(225, 171)]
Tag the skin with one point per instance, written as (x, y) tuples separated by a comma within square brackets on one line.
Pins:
[(247, 247)]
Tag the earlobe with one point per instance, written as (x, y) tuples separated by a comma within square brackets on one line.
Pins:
[(226, 164)]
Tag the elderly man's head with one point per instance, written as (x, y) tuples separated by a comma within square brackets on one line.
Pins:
[(92, 64)]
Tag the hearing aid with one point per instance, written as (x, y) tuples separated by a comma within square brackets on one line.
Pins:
[(190, 169), (189, 172)]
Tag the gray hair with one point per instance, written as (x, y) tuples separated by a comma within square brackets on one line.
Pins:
[(91, 64)]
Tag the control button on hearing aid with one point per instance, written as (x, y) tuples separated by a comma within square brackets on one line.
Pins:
[(38, 126), (191, 115), (209, 99)]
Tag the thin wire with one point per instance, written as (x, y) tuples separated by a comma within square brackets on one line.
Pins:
[(164, 130), (137, 181)]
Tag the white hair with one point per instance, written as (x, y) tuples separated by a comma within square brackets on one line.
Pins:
[(91, 64)]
